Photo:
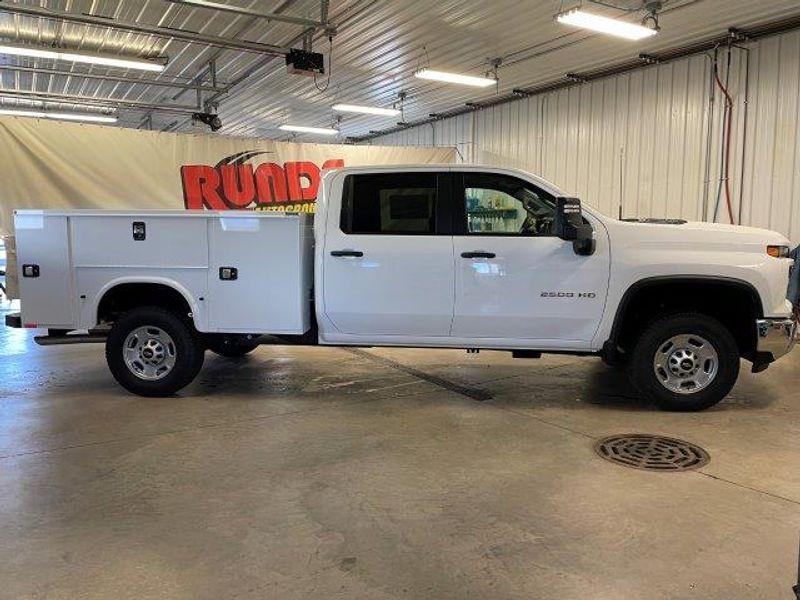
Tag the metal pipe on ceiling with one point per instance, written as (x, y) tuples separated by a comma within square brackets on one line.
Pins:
[(610, 4), (249, 12), (117, 78), (155, 30), (213, 101), (215, 98), (275, 15), (97, 102)]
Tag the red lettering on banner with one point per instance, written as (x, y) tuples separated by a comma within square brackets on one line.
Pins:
[(200, 187), (271, 184), (295, 173), (232, 186), (333, 163), (238, 185)]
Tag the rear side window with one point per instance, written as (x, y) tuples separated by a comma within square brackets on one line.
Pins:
[(390, 204)]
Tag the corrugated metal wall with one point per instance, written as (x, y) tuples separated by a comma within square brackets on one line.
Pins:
[(650, 139)]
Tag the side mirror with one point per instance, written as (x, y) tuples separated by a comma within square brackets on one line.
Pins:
[(570, 226)]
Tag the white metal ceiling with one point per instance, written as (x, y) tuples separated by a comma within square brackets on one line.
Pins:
[(378, 46)]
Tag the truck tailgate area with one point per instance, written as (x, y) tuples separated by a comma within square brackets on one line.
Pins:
[(239, 272)]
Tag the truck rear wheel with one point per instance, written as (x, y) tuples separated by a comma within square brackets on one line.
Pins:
[(685, 362), (153, 352), (231, 346)]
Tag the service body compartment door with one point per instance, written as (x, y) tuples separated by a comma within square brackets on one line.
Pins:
[(259, 273), (146, 240), (46, 289)]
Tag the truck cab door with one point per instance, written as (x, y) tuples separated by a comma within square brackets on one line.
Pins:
[(516, 282), (387, 261)]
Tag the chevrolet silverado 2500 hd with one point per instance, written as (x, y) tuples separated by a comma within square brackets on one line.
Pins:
[(424, 256)]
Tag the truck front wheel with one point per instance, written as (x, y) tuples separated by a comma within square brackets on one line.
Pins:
[(685, 362), (153, 352)]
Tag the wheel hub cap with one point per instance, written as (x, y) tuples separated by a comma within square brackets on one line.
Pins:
[(686, 363), (149, 353)]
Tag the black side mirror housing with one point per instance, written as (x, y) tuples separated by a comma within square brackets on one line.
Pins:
[(584, 244), (570, 226)]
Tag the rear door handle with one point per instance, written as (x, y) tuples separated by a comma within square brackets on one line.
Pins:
[(478, 254), (347, 253)]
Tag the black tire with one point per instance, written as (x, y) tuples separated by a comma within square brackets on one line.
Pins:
[(231, 346), (187, 351), (656, 338)]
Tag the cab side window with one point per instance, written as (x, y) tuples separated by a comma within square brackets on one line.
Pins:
[(502, 205), (390, 204)]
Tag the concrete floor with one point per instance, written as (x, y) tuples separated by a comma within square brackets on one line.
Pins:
[(322, 473)]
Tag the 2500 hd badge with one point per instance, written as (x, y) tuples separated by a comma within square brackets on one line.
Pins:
[(568, 295)]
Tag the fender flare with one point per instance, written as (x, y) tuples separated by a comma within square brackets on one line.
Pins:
[(166, 282), (646, 282)]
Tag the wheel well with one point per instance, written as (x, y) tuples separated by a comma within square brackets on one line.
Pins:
[(126, 296), (735, 304)]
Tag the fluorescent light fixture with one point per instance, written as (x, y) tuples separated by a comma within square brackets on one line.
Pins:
[(23, 113), (623, 29), (303, 129), (367, 110), (81, 57), (82, 117), (454, 78), (40, 114)]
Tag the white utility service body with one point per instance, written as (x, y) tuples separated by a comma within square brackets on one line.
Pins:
[(455, 256), (86, 253)]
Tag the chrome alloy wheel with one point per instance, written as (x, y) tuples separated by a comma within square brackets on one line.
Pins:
[(149, 353), (686, 363)]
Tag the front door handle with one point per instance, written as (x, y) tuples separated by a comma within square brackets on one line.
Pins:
[(478, 254), (347, 253)]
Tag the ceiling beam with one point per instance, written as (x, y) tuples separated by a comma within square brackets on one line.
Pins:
[(214, 99), (142, 28), (99, 102), (116, 78), (249, 12)]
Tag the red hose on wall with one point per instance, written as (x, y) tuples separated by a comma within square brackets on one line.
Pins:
[(727, 142)]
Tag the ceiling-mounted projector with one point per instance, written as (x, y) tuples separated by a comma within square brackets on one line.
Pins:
[(303, 62)]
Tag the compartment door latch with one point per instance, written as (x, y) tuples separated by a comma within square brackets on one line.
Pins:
[(139, 231), (228, 273), (30, 270)]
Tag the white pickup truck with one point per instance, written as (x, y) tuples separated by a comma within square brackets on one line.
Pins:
[(426, 256)]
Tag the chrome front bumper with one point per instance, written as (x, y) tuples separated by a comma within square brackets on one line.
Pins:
[(775, 336)]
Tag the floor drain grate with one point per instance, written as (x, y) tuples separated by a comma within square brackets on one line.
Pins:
[(651, 452)]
